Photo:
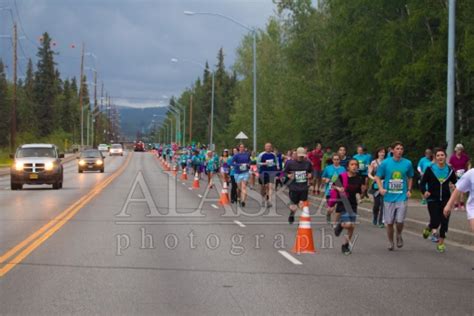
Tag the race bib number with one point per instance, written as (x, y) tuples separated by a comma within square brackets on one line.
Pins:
[(362, 166), (460, 173), (300, 177), (243, 167), (270, 163), (395, 186), (224, 170)]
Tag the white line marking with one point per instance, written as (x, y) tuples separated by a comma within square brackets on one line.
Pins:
[(183, 183), (200, 195), (239, 223), (214, 206), (289, 257), (190, 189)]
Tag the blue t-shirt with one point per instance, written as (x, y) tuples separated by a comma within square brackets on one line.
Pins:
[(229, 163), (271, 162), (241, 162), (440, 173), (332, 173), (395, 175), (364, 162), (423, 164)]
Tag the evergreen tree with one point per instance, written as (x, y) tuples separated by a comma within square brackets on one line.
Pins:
[(4, 108), (45, 87)]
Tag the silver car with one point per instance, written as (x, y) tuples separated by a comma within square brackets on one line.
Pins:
[(36, 164), (116, 149)]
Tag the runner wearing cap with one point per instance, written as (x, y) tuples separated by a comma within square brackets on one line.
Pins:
[(299, 173)]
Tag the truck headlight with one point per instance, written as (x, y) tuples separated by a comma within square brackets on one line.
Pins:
[(82, 162), (99, 162), (19, 166), (48, 166)]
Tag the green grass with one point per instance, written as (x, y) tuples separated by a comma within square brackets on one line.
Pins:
[(5, 161)]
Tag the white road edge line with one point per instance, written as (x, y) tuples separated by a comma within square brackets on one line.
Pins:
[(290, 257), (214, 206), (200, 195), (240, 224)]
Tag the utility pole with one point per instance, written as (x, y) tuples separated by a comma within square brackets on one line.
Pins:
[(94, 124), (13, 111), (190, 118), (81, 93)]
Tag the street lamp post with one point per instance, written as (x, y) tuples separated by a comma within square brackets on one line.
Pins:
[(254, 49), (182, 108), (451, 74), (177, 115)]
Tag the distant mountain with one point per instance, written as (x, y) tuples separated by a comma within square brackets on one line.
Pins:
[(135, 120)]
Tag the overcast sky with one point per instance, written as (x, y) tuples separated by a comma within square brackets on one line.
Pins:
[(134, 40)]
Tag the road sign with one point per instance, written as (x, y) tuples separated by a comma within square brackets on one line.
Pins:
[(241, 135)]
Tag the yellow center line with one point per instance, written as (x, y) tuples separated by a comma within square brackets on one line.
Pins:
[(47, 231)]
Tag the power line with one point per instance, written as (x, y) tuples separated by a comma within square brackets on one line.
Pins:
[(21, 25)]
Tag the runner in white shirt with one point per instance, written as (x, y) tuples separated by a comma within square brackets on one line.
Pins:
[(464, 184)]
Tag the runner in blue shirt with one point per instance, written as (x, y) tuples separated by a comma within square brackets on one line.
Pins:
[(364, 159), (330, 176), (241, 164), (267, 163), (397, 173), (423, 164)]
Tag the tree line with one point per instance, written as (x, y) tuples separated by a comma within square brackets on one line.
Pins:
[(345, 72), (47, 106)]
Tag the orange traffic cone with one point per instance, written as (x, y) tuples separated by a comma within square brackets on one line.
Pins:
[(196, 181), (184, 175), (224, 195), (304, 237), (175, 170)]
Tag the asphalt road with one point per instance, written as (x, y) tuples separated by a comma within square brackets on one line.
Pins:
[(177, 251)]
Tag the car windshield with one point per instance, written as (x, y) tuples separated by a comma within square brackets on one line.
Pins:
[(36, 152), (116, 146), (102, 145), (91, 154)]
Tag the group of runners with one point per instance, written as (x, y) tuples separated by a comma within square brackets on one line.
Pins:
[(344, 181)]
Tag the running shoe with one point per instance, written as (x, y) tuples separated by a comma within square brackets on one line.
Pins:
[(441, 248), (338, 230), (346, 250), (262, 204), (374, 222), (399, 241), (269, 204), (328, 219), (242, 204), (434, 238), (426, 232), (291, 218), (391, 246), (456, 206), (381, 225), (423, 202)]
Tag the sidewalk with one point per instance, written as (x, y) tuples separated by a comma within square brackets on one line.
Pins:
[(67, 158), (418, 217)]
